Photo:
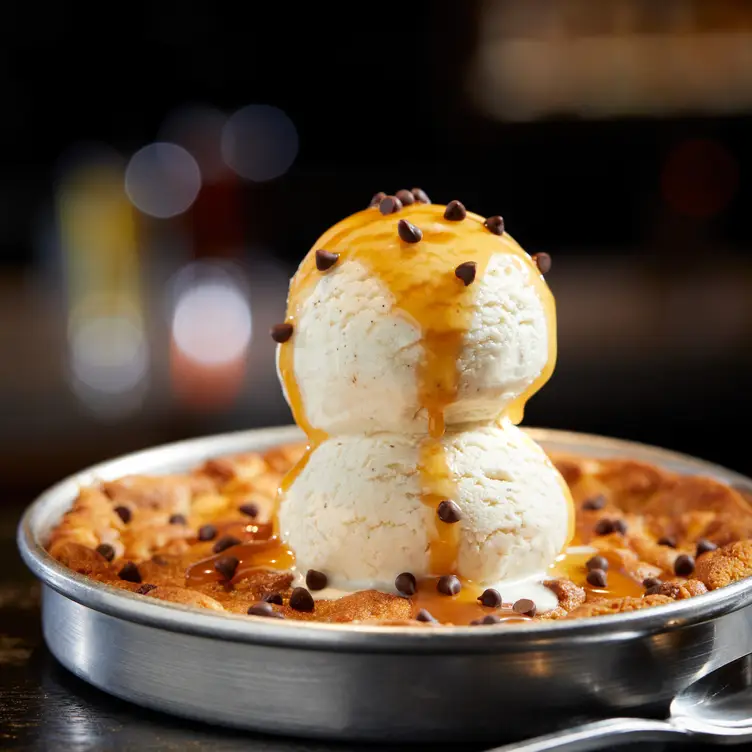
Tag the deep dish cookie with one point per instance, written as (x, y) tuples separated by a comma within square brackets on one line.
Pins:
[(206, 539)]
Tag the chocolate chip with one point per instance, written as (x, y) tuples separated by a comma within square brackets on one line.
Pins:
[(146, 588), (455, 211), (106, 550), (316, 580), (525, 606), (466, 272), (225, 542), (449, 585), (487, 619), (226, 566), (389, 205), (651, 582), (406, 583), (325, 260), (406, 197), (495, 225), (124, 513), (273, 598), (420, 196), (704, 546), (684, 565), (667, 541), (449, 512), (281, 332), (490, 597), (207, 532), (543, 262), (377, 198), (130, 572), (604, 527), (597, 562), (423, 615), (264, 609), (596, 502), (249, 510), (409, 232), (178, 519), (597, 578), (655, 590), (301, 600)]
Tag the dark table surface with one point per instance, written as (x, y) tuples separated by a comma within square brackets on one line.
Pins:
[(45, 707)]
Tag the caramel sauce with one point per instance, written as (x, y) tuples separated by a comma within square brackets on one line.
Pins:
[(244, 530), (458, 609), (421, 279), (260, 554), (260, 548), (437, 484), (619, 584)]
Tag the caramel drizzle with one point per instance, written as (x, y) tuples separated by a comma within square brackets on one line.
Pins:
[(421, 280), (460, 609), (619, 583), (269, 553)]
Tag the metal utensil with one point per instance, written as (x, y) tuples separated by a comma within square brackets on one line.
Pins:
[(368, 682), (716, 708)]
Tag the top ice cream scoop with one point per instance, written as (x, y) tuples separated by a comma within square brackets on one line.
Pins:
[(407, 320)]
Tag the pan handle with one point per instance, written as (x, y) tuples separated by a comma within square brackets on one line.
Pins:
[(595, 735)]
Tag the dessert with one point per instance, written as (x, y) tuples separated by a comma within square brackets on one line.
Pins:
[(165, 536), (415, 334)]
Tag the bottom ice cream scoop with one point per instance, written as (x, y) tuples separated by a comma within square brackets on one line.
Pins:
[(358, 510)]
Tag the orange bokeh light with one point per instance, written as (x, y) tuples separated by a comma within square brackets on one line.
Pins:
[(206, 387)]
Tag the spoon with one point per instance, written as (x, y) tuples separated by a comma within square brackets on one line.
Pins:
[(716, 708)]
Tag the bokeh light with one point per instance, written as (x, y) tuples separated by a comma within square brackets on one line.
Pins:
[(107, 349), (259, 142), (602, 60), (212, 320), (108, 353), (699, 178), (211, 328), (108, 356), (162, 180), (198, 128)]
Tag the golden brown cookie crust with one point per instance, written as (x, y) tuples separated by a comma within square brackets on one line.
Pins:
[(141, 533)]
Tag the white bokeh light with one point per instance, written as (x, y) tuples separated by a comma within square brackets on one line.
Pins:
[(108, 354), (259, 142), (162, 180), (211, 321), (108, 357)]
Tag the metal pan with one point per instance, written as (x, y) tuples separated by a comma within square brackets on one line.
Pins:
[(368, 682)]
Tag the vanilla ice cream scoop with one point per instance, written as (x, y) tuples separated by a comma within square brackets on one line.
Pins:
[(389, 336), (414, 335), (356, 510)]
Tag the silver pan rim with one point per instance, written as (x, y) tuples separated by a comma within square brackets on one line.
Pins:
[(364, 638)]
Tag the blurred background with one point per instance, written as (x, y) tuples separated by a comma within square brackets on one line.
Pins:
[(165, 169)]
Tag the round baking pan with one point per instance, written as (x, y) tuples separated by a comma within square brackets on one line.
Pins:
[(368, 682)]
